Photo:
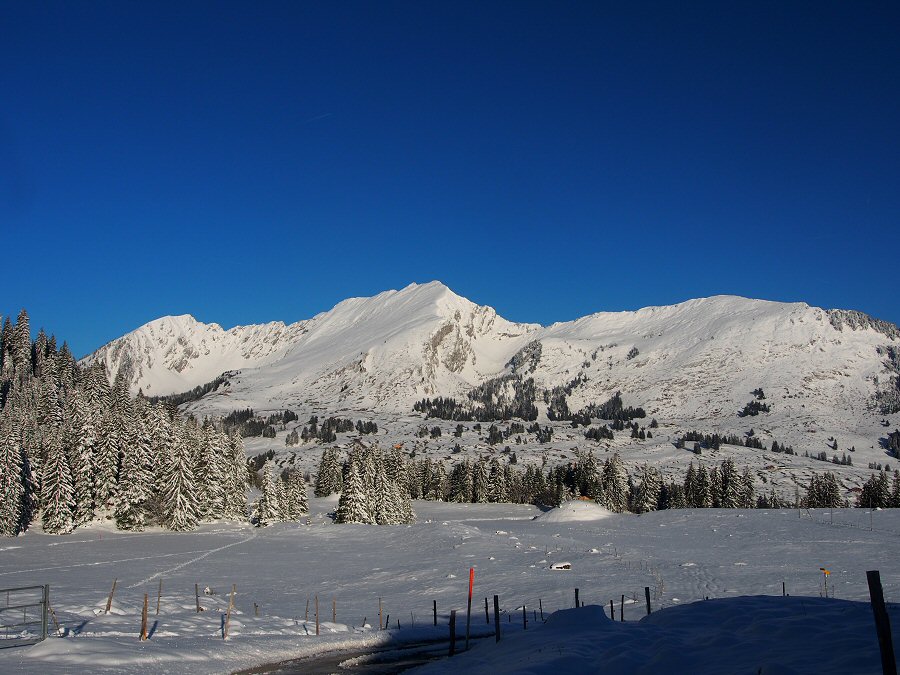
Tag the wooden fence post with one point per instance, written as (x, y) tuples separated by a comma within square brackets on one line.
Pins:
[(622, 609), (612, 610), (452, 632), (497, 616), (541, 607), (882, 623), (197, 596), (317, 613), (524, 619), (306, 616), (576, 599), (228, 615), (55, 620), (110, 598), (380, 624), (647, 595), (144, 619), (333, 610), (487, 616), (158, 596)]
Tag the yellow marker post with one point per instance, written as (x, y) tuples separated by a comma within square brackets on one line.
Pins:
[(825, 574)]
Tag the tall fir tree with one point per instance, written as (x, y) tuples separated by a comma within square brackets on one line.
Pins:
[(647, 497), (297, 502), (615, 485), (179, 492), (353, 505)]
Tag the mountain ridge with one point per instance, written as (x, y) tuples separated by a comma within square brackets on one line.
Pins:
[(697, 359)]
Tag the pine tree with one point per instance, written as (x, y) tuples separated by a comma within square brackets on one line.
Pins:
[(81, 441), (702, 490), (460, 483), (715, 488), (106, 459), (180, 489), (136, 483), (328, 478), (480, 478), (436, 487), (211, 470), (56, 489), (648, 493), (731, 486), (236, 479), (496, 492), (353, 505), (615, 485), (296, 500), (747, 489), (385, 497), (268, 508)]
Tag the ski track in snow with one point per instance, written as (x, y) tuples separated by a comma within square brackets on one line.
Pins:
[(153, 577), (108, 562)]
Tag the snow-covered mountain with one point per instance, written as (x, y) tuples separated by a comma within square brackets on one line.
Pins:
[(695, 362)]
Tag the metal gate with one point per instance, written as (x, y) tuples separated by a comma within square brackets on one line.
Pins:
[(23, 615)]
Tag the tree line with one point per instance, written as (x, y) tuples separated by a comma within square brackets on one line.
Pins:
[(74, 448)]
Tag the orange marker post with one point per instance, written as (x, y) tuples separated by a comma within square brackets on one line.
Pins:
[(469, 610), (825, 574)]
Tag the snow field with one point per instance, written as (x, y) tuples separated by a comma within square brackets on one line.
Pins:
[(682, 556)]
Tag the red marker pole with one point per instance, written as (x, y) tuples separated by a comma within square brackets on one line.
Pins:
[(469, 610)]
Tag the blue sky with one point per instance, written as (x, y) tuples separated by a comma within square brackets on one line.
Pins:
[(246, 162)]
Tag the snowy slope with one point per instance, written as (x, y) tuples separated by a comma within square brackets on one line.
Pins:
[(684, 556)]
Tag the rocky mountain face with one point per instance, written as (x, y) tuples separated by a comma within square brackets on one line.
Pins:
[(696, 362)]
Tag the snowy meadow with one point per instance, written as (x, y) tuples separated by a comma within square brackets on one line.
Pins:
[(278, 572)]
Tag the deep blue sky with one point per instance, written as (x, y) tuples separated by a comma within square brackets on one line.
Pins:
[(253, 161)]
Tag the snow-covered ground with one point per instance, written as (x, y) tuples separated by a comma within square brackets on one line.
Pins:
[(683, 556)]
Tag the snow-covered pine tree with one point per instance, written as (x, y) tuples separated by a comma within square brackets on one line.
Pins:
[(496, 492), (436, 488), (268, 507), (715, 488), (460, 483), (236, 479), (106, 459), (137, 480), (385, 496), (480, 478), (589, 483), (328, 478), (615, 484), (747, 489), (57, 497), (81, 437), (690, 485), (353, 506), (12, 489), (702, 490), (211, 469), (179, 493), (296, 500), (647, 497), (731, 487)]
